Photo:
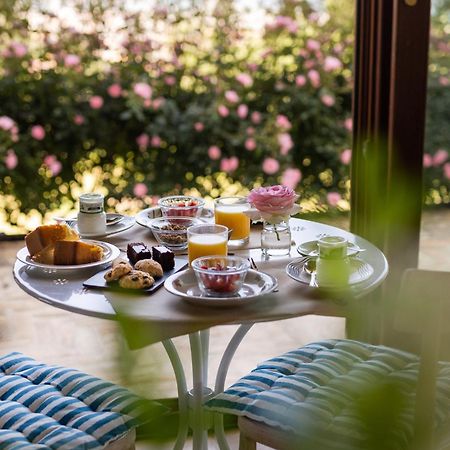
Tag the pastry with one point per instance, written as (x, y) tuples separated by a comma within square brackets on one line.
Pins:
[(76, 252), (46, 235), (118, 270), (137, 251), (150, 266), (136, 279), (164, 256)]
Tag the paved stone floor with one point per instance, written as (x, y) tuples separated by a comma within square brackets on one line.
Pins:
[(97, 347)]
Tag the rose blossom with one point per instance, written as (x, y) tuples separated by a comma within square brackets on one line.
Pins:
[(11, 160), (19, 50), (231, 96), (314, 78), (250, 144), (444, 81), (140, 190), (274, 200), (142, 141), (333, 198), (328, 100), (427, 160), (229, 164), (331, 63), (250, 131), (143, 90), (157, 103), (71, 60), (199, 127), (270, 166), (256, 117), (214, 152), (115, 90), (245, 79), (78, 119), (283, 122), (96, 102), (300, 80), (285, 142), (6, 123), (291, 177), (170, 80), (156, 141), (348, 124), (440, 157), (346, 156), (223, 111), (242, 111), (38, 132), (312, 45)]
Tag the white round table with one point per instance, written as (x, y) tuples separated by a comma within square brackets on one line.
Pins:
[(162, 316)]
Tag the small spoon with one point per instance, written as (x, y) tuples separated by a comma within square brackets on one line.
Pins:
[(310, 269)]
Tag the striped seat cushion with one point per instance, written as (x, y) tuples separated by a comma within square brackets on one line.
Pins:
[(50, 407), (323, 394)]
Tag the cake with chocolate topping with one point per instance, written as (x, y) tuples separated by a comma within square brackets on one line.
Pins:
[(164, 256), (137, 251)]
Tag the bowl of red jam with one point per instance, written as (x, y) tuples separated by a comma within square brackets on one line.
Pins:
[(220, 276), (181, 206)]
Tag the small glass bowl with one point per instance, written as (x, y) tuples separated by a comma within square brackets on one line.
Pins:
[(172, 231), (220, 276), (181, 205)]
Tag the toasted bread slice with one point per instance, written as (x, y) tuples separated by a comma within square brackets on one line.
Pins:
[(45, 235)]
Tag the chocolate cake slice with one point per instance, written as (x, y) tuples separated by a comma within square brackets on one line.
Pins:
[(164, 256), (137, 251)]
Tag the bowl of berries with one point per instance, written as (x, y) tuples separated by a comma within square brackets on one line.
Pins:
[(181, 205), (220, 276)]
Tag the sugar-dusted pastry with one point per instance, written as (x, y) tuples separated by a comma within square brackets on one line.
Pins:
[(76, 252), (150, 266), (136, 279), (118, 270), (164, 256), (137, 251), (46, 235)]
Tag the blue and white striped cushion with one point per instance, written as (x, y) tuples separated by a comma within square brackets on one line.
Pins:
[(51, 407), (315, 392)]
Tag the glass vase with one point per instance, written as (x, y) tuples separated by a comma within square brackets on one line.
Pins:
[(276, 239)]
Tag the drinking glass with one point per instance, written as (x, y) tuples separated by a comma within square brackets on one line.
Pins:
[(207, 240), (229, 211)]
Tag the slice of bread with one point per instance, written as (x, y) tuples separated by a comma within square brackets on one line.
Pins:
[(46, 235), (76, 252)]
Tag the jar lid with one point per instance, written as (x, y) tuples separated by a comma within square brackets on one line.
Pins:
[(91, 203), (332, 247)]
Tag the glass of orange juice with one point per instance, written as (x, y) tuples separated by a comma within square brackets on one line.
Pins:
[(207, 240), (229, 211)]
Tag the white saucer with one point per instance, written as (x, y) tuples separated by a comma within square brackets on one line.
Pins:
[(144, 217), (184, 284), (110, 253)]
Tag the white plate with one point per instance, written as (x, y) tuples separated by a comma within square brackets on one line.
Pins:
[(110, 253), (311, 248), (256, 284), (146, 215), (359, 271), (126, 223)]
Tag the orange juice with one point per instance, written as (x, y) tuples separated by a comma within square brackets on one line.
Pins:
[(233, 217), (206, 245)]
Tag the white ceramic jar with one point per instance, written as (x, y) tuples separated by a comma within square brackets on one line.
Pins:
[(333, 265), (91, 218)]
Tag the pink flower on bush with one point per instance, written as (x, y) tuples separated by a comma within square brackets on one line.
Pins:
[(440, 157), (314, 78), (242, 111), (309, 64), (11, 160), (156, 141), (71, 60), (245, 79), (223, 111), (348, 124), (199, 127), (18, 49), (346, 156), (283, 122), (331, 63), (312, 45), (142, 141), (53, 165), (78, 119), (447, 170), (270, 166), (214, 152), (291, 177), (250, 131), (143, 90), (285, 142), (333, 198), (96, 102), (300, 80), (231, 96), (115, 90), (427, 160), (170, 80), (229, 164), (256, 117), (328, 100), (140, 190), (6, 123), (274, 200), (444, 81), (38, 132), (157, 103), (250, 144)]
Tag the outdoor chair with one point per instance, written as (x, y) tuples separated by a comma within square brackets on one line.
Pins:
[(345, 394), (51, 407)]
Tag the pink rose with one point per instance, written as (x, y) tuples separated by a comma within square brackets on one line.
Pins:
[(328, 100), (250, 131), (245, 79), (157, 103), (115, 90), (11, 160), (223, 111), (346, 156), (291, 177), (348, 124), (444, 81), (18, 49), (300, 80), (140, 190), (143, 90), (312, 45), (156, 141), (277, 199), (96, 102), (440, 157), (250, 144), (270, 166), (285, 142), (38, 132), (142, 141), (427, 160), (78, 119), (229, 164), (333, 198), (214, 152), (199, 127), (231, 96), (283, 122), (71, 60), (242, 111), (6, 123), (331, 63), (314, 78), (256, 117), (55, 168), (447, 170), (49, 159), (170, 80)]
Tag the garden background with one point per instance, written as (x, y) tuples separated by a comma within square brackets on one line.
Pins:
[(201, 97)]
